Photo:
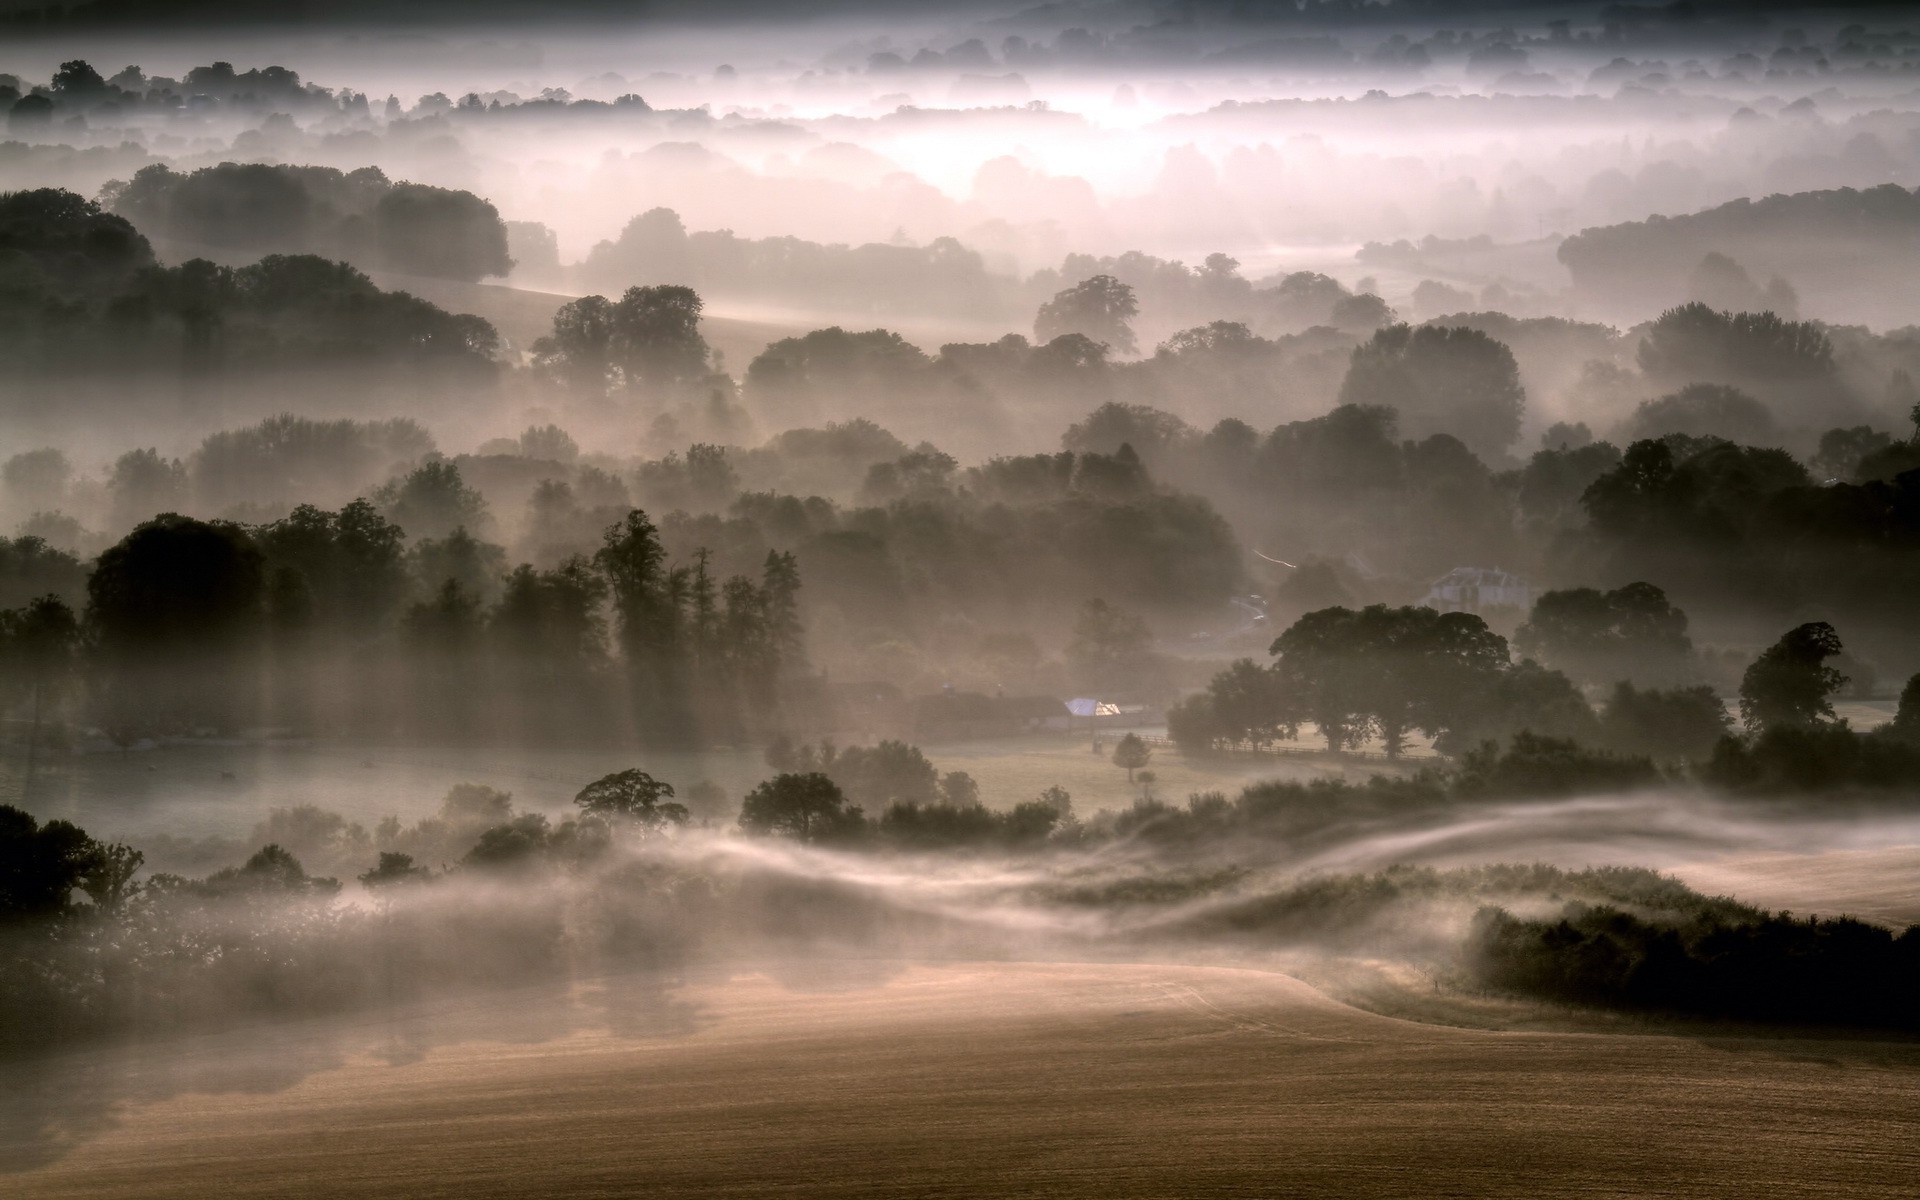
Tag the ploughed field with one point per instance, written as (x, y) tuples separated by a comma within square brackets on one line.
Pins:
[(961, 1079)]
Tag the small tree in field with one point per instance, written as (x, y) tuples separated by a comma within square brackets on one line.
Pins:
[(1132, 753), (635, 796)]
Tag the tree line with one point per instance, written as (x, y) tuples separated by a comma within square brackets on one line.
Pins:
[(86, 299), (359, 216), (324, 622), (1383, 673)]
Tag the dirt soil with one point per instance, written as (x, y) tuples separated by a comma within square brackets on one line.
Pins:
[(1003, 1080)]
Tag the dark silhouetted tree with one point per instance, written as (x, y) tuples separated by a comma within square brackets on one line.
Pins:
[(1906, 718), (1789, 685), (393, 868), (176, 609), (633, 796), (1388, 670), (1131, 753), (808, 807), (1595, 636), (40, 865)]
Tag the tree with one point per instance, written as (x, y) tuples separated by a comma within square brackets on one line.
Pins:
[(1694, 343), (890, 772), (1678, 725), (1191, 725), (1113, 425), (78, 81), (458, 558), (1388, 670), (30, 112), (634, 796), (1594, 635), (435, 231), (38, 478), (807, 807), (656, 332), (1131, 753), (1534, 766), (780, 583), (271, 870), (515, 844), (350, 563), (393, 868), (143, 484), (447, 624), (38, 645), (1704, 410), (176, 608), (959, 789), (1249, 703), (358, 215), (432, 501), (69, 240), (1525, 698), (551, 620), (834, 366), (1099, 308), (1906, 718), (40, 865), (1842, 451), (579, 353), (1788, 686), (108, 880), (1456, 381), (1903, 396)]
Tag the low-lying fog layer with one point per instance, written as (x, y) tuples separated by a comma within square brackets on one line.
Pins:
[(1459, 156), (1395, 524)]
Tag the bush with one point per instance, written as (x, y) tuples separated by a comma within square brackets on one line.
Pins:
[(1813, 758), (1536, 767), (1769, 968)]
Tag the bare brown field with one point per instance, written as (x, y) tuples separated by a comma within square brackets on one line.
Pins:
[(1009, 1080)]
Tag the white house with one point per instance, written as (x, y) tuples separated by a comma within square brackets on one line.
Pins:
[(1477, 589)]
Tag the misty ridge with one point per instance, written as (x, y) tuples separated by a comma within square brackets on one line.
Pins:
[(1452, 466)]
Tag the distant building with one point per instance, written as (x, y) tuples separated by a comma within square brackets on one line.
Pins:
[(1478, 589)]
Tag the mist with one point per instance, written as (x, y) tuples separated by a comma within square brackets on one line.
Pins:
[(1109, 598)]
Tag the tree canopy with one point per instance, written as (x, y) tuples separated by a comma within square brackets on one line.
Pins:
[(1456, 381), (1790, 684)]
